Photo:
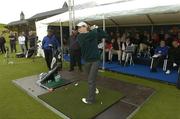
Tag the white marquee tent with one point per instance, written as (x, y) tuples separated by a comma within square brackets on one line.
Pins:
[(118, 13)]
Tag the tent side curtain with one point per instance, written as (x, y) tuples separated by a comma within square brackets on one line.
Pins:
[(41, 30)]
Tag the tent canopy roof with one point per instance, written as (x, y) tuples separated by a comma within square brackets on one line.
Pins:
[(131, 12)]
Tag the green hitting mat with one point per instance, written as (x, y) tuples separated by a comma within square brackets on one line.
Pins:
[(68, 100), (57, 84)]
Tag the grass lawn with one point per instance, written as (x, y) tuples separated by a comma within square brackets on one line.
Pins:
[(163, 105), (15, 104)]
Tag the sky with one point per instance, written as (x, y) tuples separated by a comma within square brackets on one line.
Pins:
[(10, 9)]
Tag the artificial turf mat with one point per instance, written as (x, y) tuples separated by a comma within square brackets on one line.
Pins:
[(56, 84), (68, 101)]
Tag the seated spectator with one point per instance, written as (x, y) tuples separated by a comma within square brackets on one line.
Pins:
[(112, 35), (173, 56), (144, 43), (159, 56), (118, 35), (161, 35), (115, 50), (108, 47), (136, 39), (123, 37), (124, 45), (168, 39), (155, 39)]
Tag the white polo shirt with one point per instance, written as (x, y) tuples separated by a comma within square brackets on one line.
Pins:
[(21, 40)]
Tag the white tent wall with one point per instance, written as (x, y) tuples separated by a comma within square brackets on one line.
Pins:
[(41, 31)]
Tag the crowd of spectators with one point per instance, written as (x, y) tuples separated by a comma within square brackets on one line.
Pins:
[(157, 46), (25, 42)]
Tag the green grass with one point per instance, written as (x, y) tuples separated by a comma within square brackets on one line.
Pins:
[(163, 105), (68, 100), (15, 104)]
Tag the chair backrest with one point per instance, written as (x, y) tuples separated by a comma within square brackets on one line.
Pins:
[(130, 49)]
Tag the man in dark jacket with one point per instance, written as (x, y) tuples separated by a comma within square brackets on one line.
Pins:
[(2, 44), (32, 39), (12, 39), (173, 57), (49, 44), (88, 41), (75, 51)]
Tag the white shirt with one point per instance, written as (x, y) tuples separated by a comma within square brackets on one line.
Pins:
[(21, 40)]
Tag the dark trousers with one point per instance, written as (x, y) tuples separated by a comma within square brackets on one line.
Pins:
[(157, 61), (75, 59), (48, 57), (91, 70), (2, 48), (13, 46), (170, 63), (26, 44)]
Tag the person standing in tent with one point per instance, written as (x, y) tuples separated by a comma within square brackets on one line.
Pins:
[(75, 51), (88, 41), (49, 44)]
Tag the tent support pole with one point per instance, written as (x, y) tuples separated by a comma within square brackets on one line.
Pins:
[(61, 34), (73, 13), (70, 16), (152, 30), (104, 28)]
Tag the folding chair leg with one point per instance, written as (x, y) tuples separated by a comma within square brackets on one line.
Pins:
[(152, 61), (132, 62), (165, 65), (127, 58)]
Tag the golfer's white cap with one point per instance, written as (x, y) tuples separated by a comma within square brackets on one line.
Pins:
[(80, 24)]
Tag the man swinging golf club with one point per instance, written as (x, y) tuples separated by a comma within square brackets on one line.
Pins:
[(88, 41)]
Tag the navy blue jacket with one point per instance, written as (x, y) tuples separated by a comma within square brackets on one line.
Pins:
[(50, 42), (162, 50)]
